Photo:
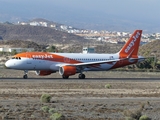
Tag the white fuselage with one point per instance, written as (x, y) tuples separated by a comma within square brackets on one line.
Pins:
[(45, 63), (29, 63)]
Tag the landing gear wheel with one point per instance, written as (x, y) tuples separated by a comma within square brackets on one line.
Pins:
[(65, 77), (25, 76), (81, 76)]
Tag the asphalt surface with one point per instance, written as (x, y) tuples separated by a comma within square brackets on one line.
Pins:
[(85, 80)]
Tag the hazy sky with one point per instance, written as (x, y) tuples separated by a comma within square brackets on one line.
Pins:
[(144, 12)]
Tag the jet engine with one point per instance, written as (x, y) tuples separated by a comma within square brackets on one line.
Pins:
[(67, 70), (43, 72)]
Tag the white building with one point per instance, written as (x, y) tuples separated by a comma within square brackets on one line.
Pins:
[(87, 50), (34, 24), (44, 24), (18, 50), (53, 26)]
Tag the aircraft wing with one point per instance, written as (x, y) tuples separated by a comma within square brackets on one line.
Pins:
[(94, 63)]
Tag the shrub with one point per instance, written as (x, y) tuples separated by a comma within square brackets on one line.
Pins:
[(32, 116), (148, 103), (144, 117), (142, 106), (52, 110), (45, 98), (57, 116), (136, 114), (45, 108), (108, 86)]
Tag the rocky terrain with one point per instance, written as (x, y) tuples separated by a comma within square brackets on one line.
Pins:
[(38, 34), (102, 96)]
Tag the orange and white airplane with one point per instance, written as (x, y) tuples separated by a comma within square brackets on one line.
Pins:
[(45, 63)]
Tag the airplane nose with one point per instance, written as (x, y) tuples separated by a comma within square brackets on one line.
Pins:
[(7, 64)]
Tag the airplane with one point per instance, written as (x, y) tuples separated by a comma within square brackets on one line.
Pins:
[(67, 64)]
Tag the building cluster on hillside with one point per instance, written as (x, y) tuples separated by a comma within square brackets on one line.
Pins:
[(34, 23), (101, 36)]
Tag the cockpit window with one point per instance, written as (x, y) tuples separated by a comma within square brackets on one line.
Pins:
[(17, 58)]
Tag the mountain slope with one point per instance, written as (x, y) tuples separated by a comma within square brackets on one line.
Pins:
[(151, 49), (41, 35)]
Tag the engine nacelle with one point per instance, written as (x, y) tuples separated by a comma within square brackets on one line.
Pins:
[(67, 70), (43, 72)]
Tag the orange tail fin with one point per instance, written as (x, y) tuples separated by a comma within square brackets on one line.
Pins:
[(132, 45)]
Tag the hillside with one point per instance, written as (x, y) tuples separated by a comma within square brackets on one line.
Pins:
[(38, 34), (99, 48), (151, 49), (22, 44)]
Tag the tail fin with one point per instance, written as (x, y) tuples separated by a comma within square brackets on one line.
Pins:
[(132, 45)]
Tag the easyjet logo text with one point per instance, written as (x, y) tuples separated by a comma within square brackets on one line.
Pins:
[(42, 56), (132, 43)]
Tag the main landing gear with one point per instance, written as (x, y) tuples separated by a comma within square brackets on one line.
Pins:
[(25, 76), (65, 77), (80, 76)]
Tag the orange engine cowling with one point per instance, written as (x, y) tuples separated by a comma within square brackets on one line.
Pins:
[(67, 70), (43, 72)]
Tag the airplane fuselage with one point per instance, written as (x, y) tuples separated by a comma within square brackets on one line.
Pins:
[(45, 63), (38, 61)]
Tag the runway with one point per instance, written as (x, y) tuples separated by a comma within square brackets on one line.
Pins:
[(84, 80), (8, 74)]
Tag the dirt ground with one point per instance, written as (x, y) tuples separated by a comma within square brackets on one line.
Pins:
[(101, 96)]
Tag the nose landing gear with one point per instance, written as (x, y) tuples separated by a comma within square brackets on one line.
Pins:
[(25, 76)]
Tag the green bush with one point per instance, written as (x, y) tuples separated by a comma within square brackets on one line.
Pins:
[(32, 116), (45, 98), (57, 116), (52, 110), (45, 108), (144, 117), (108, 86)]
